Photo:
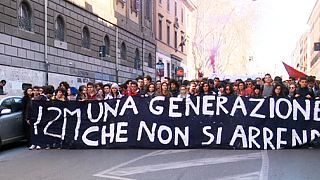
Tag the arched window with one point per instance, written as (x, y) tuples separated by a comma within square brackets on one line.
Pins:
[(150, 60), (137, 59), (123, 51), (24, 16), (107, 44), (86, 38), (59, 28)]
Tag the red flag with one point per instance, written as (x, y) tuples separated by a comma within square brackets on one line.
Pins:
[(293, 72)]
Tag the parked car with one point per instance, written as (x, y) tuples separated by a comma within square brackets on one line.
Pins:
[(11, 122)]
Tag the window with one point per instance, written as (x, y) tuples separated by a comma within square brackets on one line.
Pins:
[(150, 60), (148, 10), (168, 69), (168, 5), (176, 8), (175, 39), (59, 29), (182, 44), (172, 71), (137, 60), (123, 52), (86, 38), (107, 44), (160, 28), (135, 5), (168, 34), (182, 15), (24, 16)]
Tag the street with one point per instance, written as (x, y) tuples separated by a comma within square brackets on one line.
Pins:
[(17, 162)]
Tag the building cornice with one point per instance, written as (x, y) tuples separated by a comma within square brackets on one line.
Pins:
[(190, 5)]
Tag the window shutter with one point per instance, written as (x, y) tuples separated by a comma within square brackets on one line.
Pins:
[(138, 5)]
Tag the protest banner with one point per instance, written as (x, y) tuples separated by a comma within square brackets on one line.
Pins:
[(170, 123)]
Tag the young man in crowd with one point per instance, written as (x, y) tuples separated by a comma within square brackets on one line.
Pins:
[(303, 90), (174, 87), (134, 90), (91, 92), (2, 84), (267, 86)]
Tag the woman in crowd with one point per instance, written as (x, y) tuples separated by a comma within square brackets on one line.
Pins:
[(241, 90), (82, 93), (205, 89), (26, 104), (257, 92), (72, 93), (100, 95), (114, 93), (164, 90), (277, 90), (59, 95), (236, 88), (228, 90), (221, 90), (151, 90)]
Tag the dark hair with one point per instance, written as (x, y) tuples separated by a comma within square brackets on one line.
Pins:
[(150, 85), (65, 84), (139, 78), (61, 90), (173, 81), (302, 78), (35, 87), (231, 90), (25, 92), (311, 79), (81, 88), (134, 82), (3, 81), (98, 84), (148, 78), (47, 90), (90, 84), (107, 85), (128, 81), (275, 87), (278, 79)]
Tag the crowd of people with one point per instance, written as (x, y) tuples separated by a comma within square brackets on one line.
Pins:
[(304, 87)]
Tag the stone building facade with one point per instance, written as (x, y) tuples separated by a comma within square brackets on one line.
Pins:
[(96, 41)]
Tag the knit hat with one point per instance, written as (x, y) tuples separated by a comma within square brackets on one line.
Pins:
[(115, 85), (73, 90)]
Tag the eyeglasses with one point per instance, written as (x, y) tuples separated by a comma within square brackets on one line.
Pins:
[(292, 87)]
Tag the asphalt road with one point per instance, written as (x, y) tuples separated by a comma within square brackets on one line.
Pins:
[(17, 162)]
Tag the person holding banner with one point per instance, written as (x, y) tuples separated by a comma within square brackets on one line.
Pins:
[(277, 91), (114, 93), (292, 90), (82, 93), (303, 90), (228, 90), (164, 90), (183, 92), (151, 91)]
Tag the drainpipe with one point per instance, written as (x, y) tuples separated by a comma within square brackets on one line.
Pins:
[(46, 42), (117, 55)]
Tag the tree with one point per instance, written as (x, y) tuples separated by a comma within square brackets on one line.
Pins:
[(221, 39)]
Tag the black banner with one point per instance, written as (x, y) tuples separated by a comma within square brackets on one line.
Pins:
[(196, 122)]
